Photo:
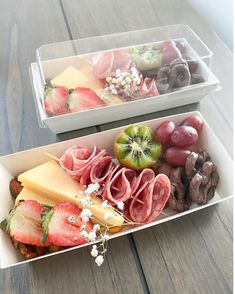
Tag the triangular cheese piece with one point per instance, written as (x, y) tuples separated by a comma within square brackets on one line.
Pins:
[(72, 78), (51, 180)]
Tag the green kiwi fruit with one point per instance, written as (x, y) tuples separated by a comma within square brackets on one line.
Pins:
[(136, 148)]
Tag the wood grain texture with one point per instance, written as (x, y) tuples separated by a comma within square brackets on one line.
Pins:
[(188, 255), (137, 14), (182, 256), (24, 31)]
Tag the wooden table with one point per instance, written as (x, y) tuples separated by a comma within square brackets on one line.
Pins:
[(192, 254)]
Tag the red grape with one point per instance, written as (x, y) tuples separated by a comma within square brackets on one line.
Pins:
[(163, 132), (184, 136), (193, 121), (176, 156)]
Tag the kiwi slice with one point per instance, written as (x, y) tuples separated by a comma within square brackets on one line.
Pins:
[(136, 148)]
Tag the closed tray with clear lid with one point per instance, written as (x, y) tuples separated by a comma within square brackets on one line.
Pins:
[(96, 80)]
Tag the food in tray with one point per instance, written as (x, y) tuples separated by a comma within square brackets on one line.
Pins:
[(87, 194), (106, 63), (136, 148), (83, 98), (72, 78), (122, 75), (147, 57)]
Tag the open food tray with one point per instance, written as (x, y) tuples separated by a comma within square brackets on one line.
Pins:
[(53, 59), (13, 164)]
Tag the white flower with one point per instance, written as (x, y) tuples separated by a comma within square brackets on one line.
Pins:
[(92, 236), (91, 188), (127, 80), (134, 69), (120, 205), (85, 215), (118, 72), (105, 204), (72, 218), (107, 215), (99, 260), (111, 87), (137, 81), (109, 79), (84, 234), (114, 91), (94, 252), (96, 227)]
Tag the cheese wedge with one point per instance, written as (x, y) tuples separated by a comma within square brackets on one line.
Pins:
[(51, 180), (72, 78), (27, 194)]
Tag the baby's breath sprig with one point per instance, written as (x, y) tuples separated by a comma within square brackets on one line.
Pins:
[(124, 83)]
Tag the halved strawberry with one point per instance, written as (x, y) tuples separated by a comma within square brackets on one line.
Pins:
[(55, 100), (61, 225), (83, 98), (24, 223)]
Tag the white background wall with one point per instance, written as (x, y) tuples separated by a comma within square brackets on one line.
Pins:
[(219, 15)]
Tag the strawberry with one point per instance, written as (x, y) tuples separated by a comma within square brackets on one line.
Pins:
[(55, 100), (24, 223), (83, 98), (61, 225)]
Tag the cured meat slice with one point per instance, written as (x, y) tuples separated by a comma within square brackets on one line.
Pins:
[(101, 169), (102, 64), (153, 194), (145, 177), (140, 211), (77, 161), (160, 191), (148, 88), (119, 186), (105, 64)]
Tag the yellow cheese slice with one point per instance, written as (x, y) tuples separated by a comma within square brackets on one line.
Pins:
[(51, 180), (72, 78), (27, 194)]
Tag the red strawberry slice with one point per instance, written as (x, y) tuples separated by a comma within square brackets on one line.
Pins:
[(62, 225), (55, 100), (83, 98), (24, 223)]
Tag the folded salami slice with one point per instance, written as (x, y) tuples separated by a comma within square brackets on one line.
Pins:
[(153, 194), (101, 170), (119, 186), (145, 177), (160, 191), (141, 190), (148, 88), (78, 161), (105, 64)]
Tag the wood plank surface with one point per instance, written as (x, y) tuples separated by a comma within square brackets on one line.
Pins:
[(189, 255), (193, 254), (24, 27)]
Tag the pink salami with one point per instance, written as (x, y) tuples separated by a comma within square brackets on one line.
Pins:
[(101, 169), (105, 64), (78, 161), (160, 191), (119, 186), (153, 193), (148, 88)]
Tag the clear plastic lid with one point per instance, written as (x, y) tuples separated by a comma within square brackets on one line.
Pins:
[(112, 69)]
